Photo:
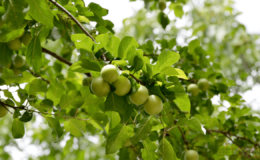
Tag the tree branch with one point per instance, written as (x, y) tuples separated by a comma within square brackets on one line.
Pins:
[(183, 137), (23, 108), (73, 18), (61, 59), (37, 75)]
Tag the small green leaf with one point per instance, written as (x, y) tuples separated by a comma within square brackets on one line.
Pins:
[(113, 45), (163, 19), (195, 124), (149, 150), (126, 43), (16, 113), (138, 63), (129, 108), (82, 42), (170, 71), (57, 131), (114, 119), (6, 55), (9, 77), (37, 85), (34, 54), (156, 91), (117, 138), (18, 129), (177, 8), (193, 44), (115, 103), (143, 129), (41, 12), (91, 65), (75, 127), (166, 150), (102, 40), (27, 116), (73, 98), (55, 91)]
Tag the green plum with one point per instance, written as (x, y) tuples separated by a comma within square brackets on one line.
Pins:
[(153, 105), (87, 81), (100, 87), (140, 96), (191, 155), (26, 38), (193, 89), (122, 85), (19, 61), (109, 73), (14, 44), (203, 84), (3, 111)]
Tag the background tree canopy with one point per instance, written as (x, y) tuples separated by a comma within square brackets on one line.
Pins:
[(50, 53)]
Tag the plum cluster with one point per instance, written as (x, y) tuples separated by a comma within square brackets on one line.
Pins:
[(100, 86), (203, 84)]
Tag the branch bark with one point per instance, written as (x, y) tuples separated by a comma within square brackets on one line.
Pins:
[(37, 75), (183, 137), (73, 18), (61, 59)]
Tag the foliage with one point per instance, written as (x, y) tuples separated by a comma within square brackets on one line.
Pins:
[(52, 108)]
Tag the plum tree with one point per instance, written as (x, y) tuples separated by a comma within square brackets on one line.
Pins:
[(3, 111), (100, 87), (26, 38), (193, 89), (203, 84), (109, 73), (14, 44), (162, 5), (140, 96), (87, 81), (19, 61), (191, 155), (153, 105), (122, 85)]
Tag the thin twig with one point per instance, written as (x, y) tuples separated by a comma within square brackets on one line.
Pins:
[(183, 137), (61, 59), (37, 75), (73, 18)]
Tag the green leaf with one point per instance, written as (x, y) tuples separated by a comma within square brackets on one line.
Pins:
[(55, 91), (170, 71), (166, 150), (128, 109), (41, 12), (27, 116), (9, 77), (75, 127), (182, 99), (113, 45), (193, 44), (73, 98), (195, 124), (34, 54), (7, 33), (163, 19), (165, 59), (117, 138), (156, 91), (126, 43), (119, 62), (37, 85), (6, 55), (138, 63), (97, 9), (115, 103), (149, 150), (102, 40), (114, 119), (143, 129), (18, 129), (15, 12), (91, 65), (82, 42), (16, 113), (177, 8), (57, 131)]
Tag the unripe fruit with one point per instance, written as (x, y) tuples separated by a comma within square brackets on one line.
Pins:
[(203, 84), (162, 5), (3, 111), (191, 155), (19, 61), (87, 81), (100, 87), (153, 105), (193, 89), (122, 85), (140, 96), (26, 38), (109, 73), (14, 44)]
